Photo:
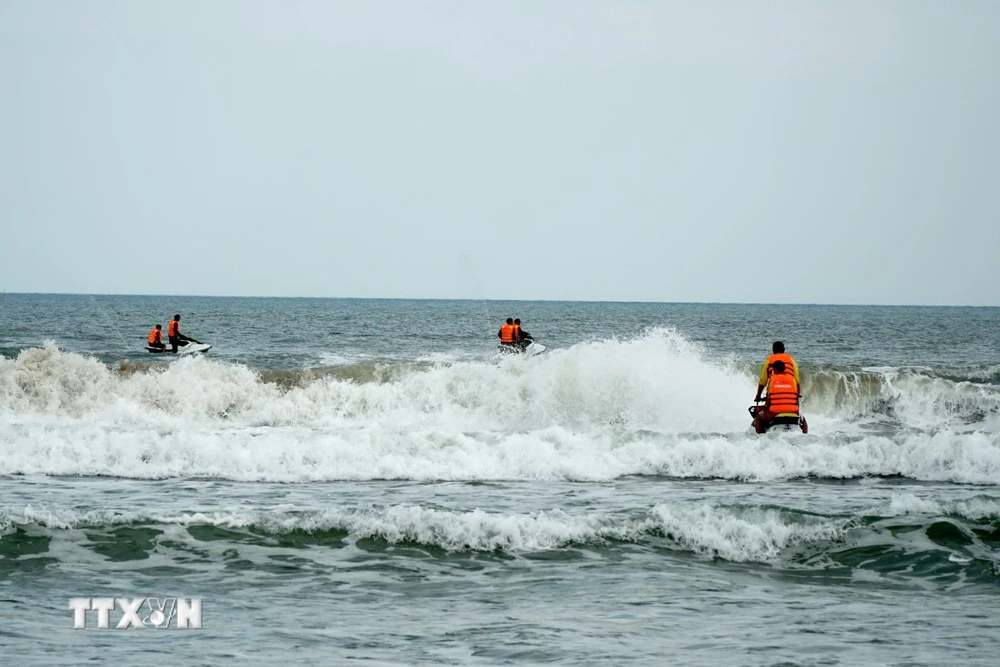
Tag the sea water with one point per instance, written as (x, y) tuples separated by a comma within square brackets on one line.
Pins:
[(367, 481)]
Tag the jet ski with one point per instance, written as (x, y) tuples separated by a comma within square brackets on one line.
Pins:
[(533, 348), (785, 422), (527, 347), (193, 347)]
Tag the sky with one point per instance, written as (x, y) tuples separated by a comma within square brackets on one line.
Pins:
[(704, 151)]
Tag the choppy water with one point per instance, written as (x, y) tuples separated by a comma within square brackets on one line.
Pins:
[(345, 480)]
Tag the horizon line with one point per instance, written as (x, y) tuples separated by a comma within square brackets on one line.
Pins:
[(377, 298)]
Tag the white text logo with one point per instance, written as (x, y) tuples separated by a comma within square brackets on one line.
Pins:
[(138, 613)]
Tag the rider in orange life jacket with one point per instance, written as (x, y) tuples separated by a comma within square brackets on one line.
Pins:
[(777, 354), (155, 339), (174, 334), (508, 334), (782, 393)]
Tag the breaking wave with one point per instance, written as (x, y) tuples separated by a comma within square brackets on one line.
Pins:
[(653, 405), (907, 536)]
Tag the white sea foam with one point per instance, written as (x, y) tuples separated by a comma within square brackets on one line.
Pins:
[(904, 504), (735, 534), (660, 382), (331, 359), (298, 454), (654, 406), (927, 402), (743, 534)]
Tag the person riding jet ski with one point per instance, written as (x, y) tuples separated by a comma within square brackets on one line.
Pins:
[(781, 404), (514, 339), (522, 338)]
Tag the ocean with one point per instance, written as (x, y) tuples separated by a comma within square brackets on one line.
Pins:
[(365, 481)]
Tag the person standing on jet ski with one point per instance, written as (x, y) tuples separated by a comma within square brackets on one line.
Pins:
[(522, 339), (175, 336), (777, 354)]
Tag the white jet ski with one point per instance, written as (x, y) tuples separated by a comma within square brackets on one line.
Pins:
[(533, 348), (182, 350), (529, 349)]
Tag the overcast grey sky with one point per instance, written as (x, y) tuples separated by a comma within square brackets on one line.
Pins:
[(816, 152)]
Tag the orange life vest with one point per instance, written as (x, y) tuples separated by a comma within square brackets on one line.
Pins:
[(517, 332), (155, 336), (172, 328), (782, 394), (507, 333), (784, 358)]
